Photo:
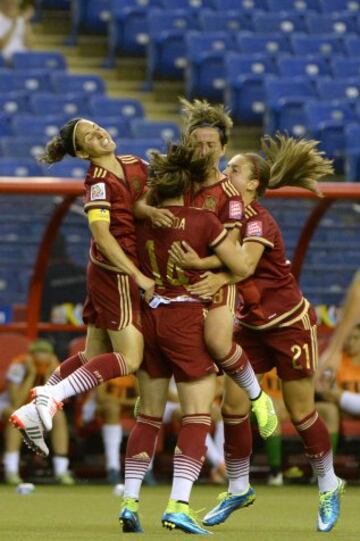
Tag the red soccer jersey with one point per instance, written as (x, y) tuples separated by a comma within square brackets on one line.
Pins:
[(104, 190), (199, 228), (221, 198), (271, 295)]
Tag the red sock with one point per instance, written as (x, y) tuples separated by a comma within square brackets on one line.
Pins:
[(237, 366), (315, 436), (107, 366), (66, 368), (139, 452), (237, 450), (190, 448), (234, 360)]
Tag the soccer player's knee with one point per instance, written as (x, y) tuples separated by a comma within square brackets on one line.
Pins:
[(217, 345)]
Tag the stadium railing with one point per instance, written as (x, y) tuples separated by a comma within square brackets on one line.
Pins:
[(70, 189)]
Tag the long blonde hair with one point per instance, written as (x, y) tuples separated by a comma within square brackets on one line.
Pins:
[(289, 162)]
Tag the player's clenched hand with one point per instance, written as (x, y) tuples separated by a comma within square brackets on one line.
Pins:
[(329, 363), (161, 217), (184, 256), (208, 286)]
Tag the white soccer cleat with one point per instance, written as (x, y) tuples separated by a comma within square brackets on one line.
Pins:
[(27, 420), (46, 405)]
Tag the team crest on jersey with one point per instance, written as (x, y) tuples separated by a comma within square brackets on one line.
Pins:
[(254, 229), (137, 184), (235, 210), (210, 203), (98, 191)]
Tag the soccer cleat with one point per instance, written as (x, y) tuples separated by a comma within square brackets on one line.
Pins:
[(228, 503), (66, 479), (27, 420), (179, 516), (265, 414), (45, 404), (129, 518), (329, 508), (13, 479)]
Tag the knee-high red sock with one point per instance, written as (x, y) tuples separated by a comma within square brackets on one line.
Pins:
[(189, 454), (101, 368), (66, 368), (317, 445), (237, 366), (139, 452), (238, 448)]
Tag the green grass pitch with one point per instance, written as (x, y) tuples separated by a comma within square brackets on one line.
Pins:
[(89, 513)]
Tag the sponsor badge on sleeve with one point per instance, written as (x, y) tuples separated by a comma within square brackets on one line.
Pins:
[(98, 191), (254, 229)]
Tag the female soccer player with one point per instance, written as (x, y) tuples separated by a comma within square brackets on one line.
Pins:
[(114, 344), (277, 324), (208, 127), (173, 326)]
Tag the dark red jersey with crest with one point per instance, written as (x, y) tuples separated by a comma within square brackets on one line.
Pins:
[(271, 295), (104, 190), (199, 228), (221, 198)]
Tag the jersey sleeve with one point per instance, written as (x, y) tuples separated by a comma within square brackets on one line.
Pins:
[(231, 207), (260, 228), (16, 373), (216, 231), (97, 190)]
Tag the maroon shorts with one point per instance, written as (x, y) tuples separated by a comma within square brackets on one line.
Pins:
[(226, 296), (174, 342), (291, 349), (113, 300)]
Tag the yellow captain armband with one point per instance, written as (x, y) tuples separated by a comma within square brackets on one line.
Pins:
[(96, 215)]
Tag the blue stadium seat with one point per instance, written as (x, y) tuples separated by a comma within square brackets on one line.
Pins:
[(140, 147), (19, 167), (352, 45), (68, 168), (147, 129), (244, 5), (5, 125), (92, 14), (117, 126), (22, 147), (284, 22), (264, 43), (39, 60), (37, 126), (124, 107), (2, 62), (326, 44), (352, 152), (128, 27), (225, 21), (29, 81), (337, 23), (7, 81), (64, 83), (311, 66), (343, 67), (12, 103), (191, 5), (54, 104), (346, 89), (339, 5), (325, 122), (205, 72), (167, 30), (285, 100), (245, 95), (294, 5)]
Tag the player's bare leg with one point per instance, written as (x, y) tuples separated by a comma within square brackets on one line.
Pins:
[(299, 400), (232, 359), (141, 446), (126, 358)]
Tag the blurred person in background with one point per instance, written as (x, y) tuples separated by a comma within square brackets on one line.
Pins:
[(350, 314), (345, 393), (63, 294), (15, 27), (24, 372)]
